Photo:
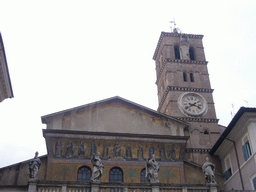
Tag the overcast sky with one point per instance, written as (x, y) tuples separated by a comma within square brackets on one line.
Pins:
[(62, 54)]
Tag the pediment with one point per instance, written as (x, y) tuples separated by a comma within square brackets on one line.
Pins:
[(115, 115)]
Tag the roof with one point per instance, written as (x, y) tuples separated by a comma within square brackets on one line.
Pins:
[(231, 125), (115, 99), (4, 74)]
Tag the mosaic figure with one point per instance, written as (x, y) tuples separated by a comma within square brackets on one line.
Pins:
[(70, 149), (140, 152), (58, 149), (128, 151), (82, 149)]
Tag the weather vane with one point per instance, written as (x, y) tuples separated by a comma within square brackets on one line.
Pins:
[(175, 30)]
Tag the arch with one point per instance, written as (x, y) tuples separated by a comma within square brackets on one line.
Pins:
[(143, 176), (177, 52), (84, 173), (191, 53), (116, 175)]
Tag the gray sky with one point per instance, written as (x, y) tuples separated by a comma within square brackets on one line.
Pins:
[(62, 54)]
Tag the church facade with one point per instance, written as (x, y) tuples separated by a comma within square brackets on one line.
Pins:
[(178, 136)]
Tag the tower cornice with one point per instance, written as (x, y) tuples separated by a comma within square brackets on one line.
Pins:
[(166, 34)]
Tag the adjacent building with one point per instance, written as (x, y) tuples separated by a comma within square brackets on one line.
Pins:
[(5, 81), (236, 149)]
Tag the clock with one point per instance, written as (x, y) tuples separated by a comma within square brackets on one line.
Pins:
[(192, 104)]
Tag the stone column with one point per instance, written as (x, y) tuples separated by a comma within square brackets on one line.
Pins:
[(213, 189), (64, 188), (95, 187), (155, 188), (184, 189), (32, 186)]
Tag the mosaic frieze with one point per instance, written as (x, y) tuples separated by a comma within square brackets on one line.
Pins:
[(116, 149)]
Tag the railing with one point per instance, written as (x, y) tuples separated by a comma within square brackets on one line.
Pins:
[(46, 186)]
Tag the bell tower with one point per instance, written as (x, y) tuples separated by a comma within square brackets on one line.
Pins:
[(184, 89)]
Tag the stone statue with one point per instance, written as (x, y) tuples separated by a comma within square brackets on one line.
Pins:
[(34, 166), (97, 167), (208, 169), (152, 169)]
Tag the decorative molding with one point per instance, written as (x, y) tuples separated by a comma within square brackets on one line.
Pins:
[(185, 61), (192, 119), (202, 90), (185, 89), (197, 150)]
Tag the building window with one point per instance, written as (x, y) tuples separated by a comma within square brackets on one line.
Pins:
[(247, 150), (84, 174), (254, 183), (116, 175), (143, 176), (192, 77), (191, 53), (228, 172), (177, 52), (185, 76)]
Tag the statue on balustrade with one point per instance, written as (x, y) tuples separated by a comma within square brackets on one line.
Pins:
[(208, 169), (97, 167), (152, 169), (34, 166)]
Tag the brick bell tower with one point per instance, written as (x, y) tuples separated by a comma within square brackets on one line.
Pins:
[(184, 89)]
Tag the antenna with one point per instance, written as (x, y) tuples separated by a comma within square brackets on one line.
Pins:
[(246, 103), (174, 28)]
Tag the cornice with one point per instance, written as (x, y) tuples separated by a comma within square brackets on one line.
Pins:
[(194, 119), (185, 61), (165, 34), (169, 60), (185, 89)]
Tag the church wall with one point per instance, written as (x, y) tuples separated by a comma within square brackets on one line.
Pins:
[(113, 117), (171, 174)]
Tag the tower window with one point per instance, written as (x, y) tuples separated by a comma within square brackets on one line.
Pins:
[(84, 174), (177, 52), (191, 53), (116, 175), (192, 77), (185, 76)]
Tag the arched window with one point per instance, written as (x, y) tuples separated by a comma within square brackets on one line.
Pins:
[(177, 52), (116, 175), (185, 76), (143, 176), (192, 77), (191, 53), (84, 174)]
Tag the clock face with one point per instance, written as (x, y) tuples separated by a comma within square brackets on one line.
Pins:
[(192, 104)]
